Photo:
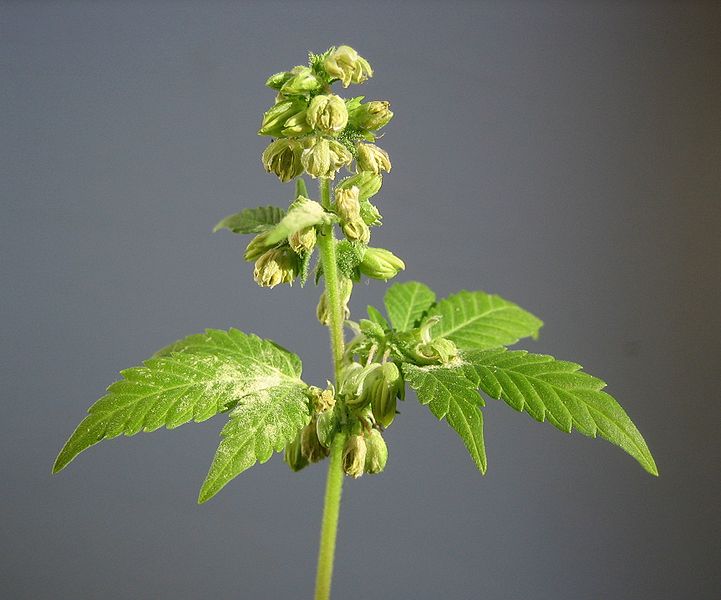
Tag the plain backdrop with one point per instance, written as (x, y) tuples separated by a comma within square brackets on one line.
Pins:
[(565, 155)]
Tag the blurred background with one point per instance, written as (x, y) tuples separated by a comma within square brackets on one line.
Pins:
[(564, 155)]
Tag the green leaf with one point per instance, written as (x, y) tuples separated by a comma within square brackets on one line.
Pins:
[(191, 380), (262, 423), (375, 316), (407, 303), (302, 213), (557, 391), (477, 321), (448, 393), (252, 220)]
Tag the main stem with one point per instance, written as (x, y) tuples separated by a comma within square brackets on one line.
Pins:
[(334, 483)]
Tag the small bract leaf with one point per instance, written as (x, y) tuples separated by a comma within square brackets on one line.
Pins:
[(252, 220), (302, 213)]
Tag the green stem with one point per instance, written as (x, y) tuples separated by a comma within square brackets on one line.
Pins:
[(334, 483), (326, 245), (331, 509)]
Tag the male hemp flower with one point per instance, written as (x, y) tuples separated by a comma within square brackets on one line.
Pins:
[(301, 82), (278, 265), (379, 263), (275, 119), (283, 158), (346, 203), (354, 456), (310, 445), (371, 115), (327, 113), (294, 455), (322, 157), (372, 158), (303, 240), (357, 230), (346, 64), (376, 453)]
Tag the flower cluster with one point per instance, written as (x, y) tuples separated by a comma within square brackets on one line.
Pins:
[(316, 131)]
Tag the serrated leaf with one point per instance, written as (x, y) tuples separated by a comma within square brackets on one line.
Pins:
[(302, 213), (478, 321), (252, 220), (375, 316), (557, 391), (191, 380), (262, 423), (448, 393), (406, 303)]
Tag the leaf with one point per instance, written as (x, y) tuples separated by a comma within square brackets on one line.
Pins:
[(557, 391), (448, 393), (262, 423), (191, 380), (302, 213), (406, 303), (477, 321), (375, 316), (252, 220)]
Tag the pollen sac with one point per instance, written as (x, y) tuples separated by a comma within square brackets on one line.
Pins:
[(354, 456), (327, 113), (312, 449), (346, 64), (293, 456), (376, 453), (372, 158)]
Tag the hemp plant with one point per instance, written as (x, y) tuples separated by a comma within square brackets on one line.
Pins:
[(446, 351)]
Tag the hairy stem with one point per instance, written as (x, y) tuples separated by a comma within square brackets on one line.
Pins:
[(331, 509), (334, 484), (326, 245)]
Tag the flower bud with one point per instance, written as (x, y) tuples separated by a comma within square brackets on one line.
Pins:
[(283, 158), (278, 265), (379, 263), (346, 203), (328, 114), (346, 64), (368, 184), (372, 158), (322, 157), (371, 115), (294, 456), (310, 445), (354, 456), (303, 240), (357, 231), (387, 388), (358, 382), (257, 247), (297, 125), (370, 214), (301, 82), (326, 425), (345, 286), (276, 81), (438, 351), (376, 453), (274, 120)]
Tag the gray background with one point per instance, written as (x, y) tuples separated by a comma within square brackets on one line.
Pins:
[(565, 155)]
